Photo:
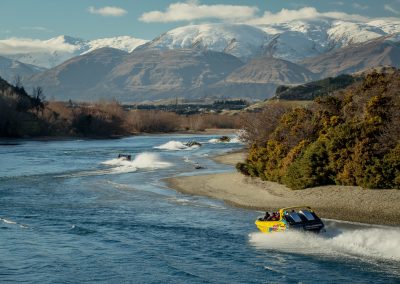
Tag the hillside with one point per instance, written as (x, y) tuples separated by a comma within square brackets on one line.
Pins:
[(259, 78), (76, 76), (141, 75), (312, 90), (270, 70), (351, 137), (18, 111), (357, 57), (10, 69)]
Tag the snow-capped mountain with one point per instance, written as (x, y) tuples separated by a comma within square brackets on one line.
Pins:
[(137, 76), (10, 69), (52, 52), (293, 41), (209, 60), (243, 41)]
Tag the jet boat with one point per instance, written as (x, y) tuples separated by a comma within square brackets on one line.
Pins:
[(224, 139), (301, 218), (197, 166), (192, 143), (125, 157)]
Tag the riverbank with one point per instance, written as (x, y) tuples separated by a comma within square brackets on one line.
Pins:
[(207, 131), (348, 203)]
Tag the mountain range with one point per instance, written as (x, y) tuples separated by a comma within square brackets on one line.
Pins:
[(11, 69), (52, 52), (213, 60)]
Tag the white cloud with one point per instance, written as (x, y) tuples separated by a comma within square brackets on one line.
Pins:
[(108, 11), (391, 9), (360, 6), (305, 13), (36, 28), (192, 10), (28, 45)]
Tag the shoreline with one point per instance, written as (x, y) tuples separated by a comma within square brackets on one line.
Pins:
[(346, 203), (208, 131)]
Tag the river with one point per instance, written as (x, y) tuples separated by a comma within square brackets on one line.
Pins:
[(70, 212)]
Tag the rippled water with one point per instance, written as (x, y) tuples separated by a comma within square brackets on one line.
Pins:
[(70, 212)]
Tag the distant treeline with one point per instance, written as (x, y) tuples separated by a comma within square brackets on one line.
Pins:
[(351, 137), (24, 115), (193, 108), (313, 90)]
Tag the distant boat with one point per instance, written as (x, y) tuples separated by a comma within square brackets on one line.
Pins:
[(197, 166), (125, 157), (192, 143), (224, 139)]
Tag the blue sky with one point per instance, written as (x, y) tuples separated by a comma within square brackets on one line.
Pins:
[(90, 19)]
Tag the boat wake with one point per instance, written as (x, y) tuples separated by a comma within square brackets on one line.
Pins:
[(144, 160), (9, 222), (175, 146), (365, 242), (234, 140)]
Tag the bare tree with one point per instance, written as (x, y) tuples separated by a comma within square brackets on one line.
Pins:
[(38, 99)]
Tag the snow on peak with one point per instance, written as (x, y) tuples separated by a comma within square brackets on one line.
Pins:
[(125, 43), (237, 39), (292, 40), (54, 51)]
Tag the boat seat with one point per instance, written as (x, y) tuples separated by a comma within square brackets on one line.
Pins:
[(295, 217), (309, 216)]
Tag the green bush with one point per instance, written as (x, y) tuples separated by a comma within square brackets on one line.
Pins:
[(349, 138), (310, 169)]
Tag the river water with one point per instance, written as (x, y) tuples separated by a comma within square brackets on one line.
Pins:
[(72, 213)]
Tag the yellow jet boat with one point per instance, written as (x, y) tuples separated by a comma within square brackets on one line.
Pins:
[(301, 218)]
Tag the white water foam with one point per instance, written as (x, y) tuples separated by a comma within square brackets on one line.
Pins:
[(8, 221), (142, 161), (381, 243), (232, 140), (175, 146), (121, 165)]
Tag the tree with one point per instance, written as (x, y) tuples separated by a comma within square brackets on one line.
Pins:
[(38, 100)]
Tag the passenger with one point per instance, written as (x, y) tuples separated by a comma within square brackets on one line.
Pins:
[(275, 216), (266, 217)]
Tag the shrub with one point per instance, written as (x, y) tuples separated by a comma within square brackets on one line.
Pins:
[(309, 169), (351, 138)]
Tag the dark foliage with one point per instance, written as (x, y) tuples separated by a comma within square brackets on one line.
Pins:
[(312, 90), (27, 115), (350, 138)]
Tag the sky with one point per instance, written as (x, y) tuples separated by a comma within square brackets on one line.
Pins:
[(146, 19)]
